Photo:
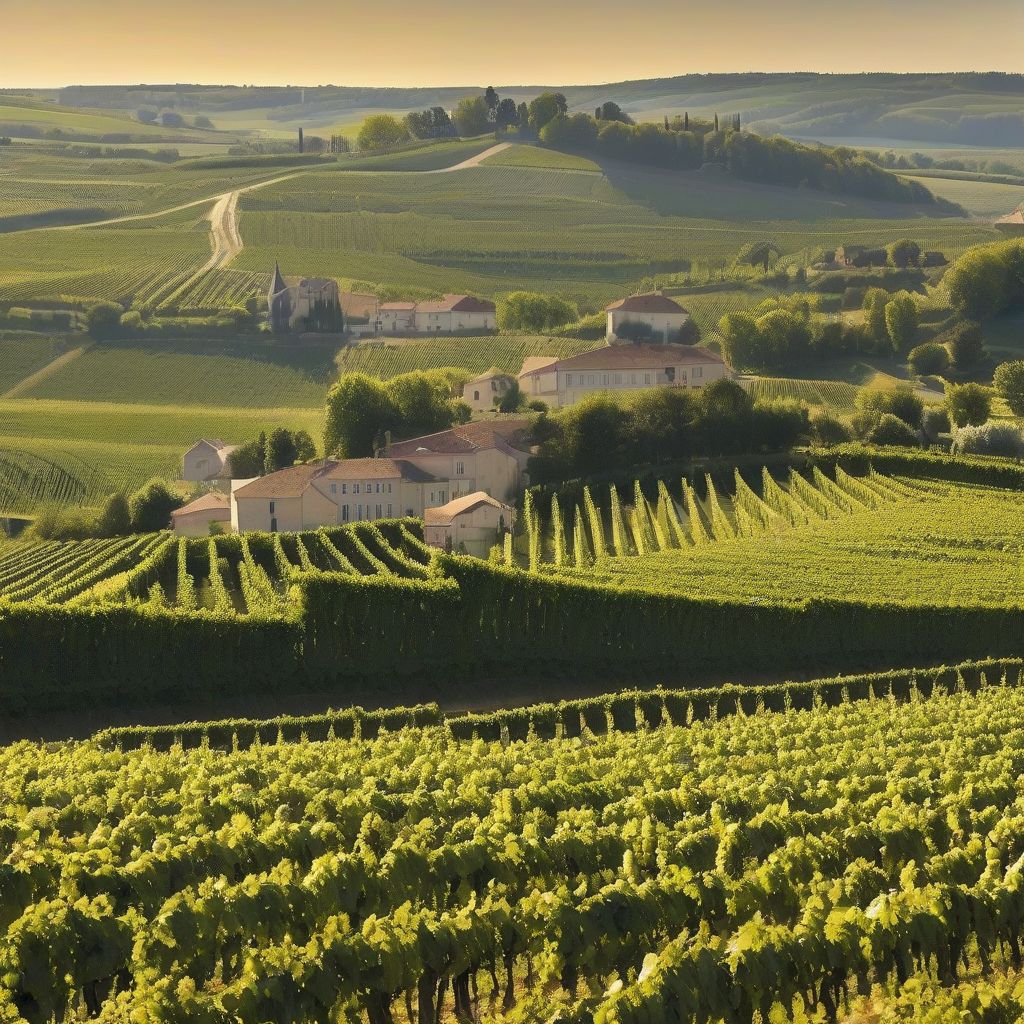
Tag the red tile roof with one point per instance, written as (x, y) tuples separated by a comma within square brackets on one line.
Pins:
[(456, 304), (445, 515), (634, 357), (466, 438), (292, 482), (652, 303)]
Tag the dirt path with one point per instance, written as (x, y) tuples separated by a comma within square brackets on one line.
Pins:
[(43, 372), (473, 161)]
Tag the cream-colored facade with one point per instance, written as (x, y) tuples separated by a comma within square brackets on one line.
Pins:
[(409, 478), (196, 518), (206, 460), (661, 316), (470, 524), (483, 392), (619, 368)]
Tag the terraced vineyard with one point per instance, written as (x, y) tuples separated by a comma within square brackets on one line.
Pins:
[(869, 539), (764, 865), (834, 394), (28, 479)]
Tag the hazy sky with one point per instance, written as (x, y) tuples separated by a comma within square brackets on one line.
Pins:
[(456, 42)]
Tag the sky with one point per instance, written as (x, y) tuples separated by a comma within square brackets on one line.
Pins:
[(52, 43)]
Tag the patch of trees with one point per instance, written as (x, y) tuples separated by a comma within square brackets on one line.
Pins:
[(987, 279), (269, 453), (1008, 381), (599, 434), (534, 312), (381, 131), (434, 123), (362, 410)]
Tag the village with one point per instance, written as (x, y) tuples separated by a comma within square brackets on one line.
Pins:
[(463, 482)]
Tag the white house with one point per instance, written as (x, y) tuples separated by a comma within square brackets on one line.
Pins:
[(618, 368), (483, 392), (455, 313), (207, 460), (470, 523), (194, 519), (396, 318), (405, 480), (656, 313)]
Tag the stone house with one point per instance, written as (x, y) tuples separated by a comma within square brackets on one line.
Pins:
[(656, 315), (207, 459), (471, 523)]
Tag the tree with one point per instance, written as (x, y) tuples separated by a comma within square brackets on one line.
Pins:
[(610, 111), (989, 439), (471, 116), (901, 321), (762, 254), (305, 449), (966, 344), (575, 131), (986, 279), (280, 451), (248, 460), (103, 319), (422, 402), (875, 301), (523, 116), (546, 107), (904, 253), (381, 131), (534, 312), (506, 115), (929, 358), (1009, 383), (892, 430), (172, 119), (935, 421), (150, 507), (512, 399), (114, 519), (969, 405), (359, 410), (202, 121), (146, 116), (491, 99), (901, 402)]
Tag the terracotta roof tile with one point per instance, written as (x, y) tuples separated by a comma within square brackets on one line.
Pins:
[(203, 503), (636, 357), (444, 515), (652, 303)]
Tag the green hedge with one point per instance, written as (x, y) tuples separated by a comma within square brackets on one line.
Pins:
[(624, 711), (969, 469)]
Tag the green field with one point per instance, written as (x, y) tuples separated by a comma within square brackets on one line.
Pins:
[(21, 355), (536, 156), (979, 198)]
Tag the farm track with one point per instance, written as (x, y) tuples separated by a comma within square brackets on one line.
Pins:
[(26, 383)]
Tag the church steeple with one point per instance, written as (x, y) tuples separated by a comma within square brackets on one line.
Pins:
[(277, 282)]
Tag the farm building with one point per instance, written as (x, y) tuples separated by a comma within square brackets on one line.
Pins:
[(194, 519), (407, 478), (472, 523), (314, 305), (1012, 223), (453, 314), (207, 460), (562, 382), (482, 392), (653, 317)]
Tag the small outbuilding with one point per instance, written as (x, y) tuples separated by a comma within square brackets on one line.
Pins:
[(208, 459), (470, 524), (482, 393), (194, 519)]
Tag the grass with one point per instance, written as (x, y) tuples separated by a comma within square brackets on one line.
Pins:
[(535, 156), (21, 356), (245, 374), (979, 198), (422, 156)]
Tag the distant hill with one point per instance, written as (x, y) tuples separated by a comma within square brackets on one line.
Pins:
[(967, 108)]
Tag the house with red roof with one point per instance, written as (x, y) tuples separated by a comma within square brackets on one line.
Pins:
[(647, 318), (617, 369)]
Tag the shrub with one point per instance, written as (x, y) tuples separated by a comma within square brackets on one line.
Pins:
[(966, 344), (103, 319), (114, 519), (60, 522), (900, 401), (968, 404), (935, 421), (535, 312), (828, 430), (929, 358), (891, 429), (151, 507), (1009, 382), (989, 439)]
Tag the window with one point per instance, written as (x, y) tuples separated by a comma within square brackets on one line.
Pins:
[(698, 371), (378, 488), (618, 378), (344, 513), (355, 488), (476, 396), (605, 380), (389, 510), (632, 378), (592, 379), (359, 511), (344, 488), (460, 469), (334, 488), (273, 525), (378, 511), (271, 508), (647, 378), (568, 380), (389, 488), (432, 499)]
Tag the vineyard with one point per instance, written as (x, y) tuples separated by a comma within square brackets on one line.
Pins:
[(28, 480), (870, 538), (761, 865)]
